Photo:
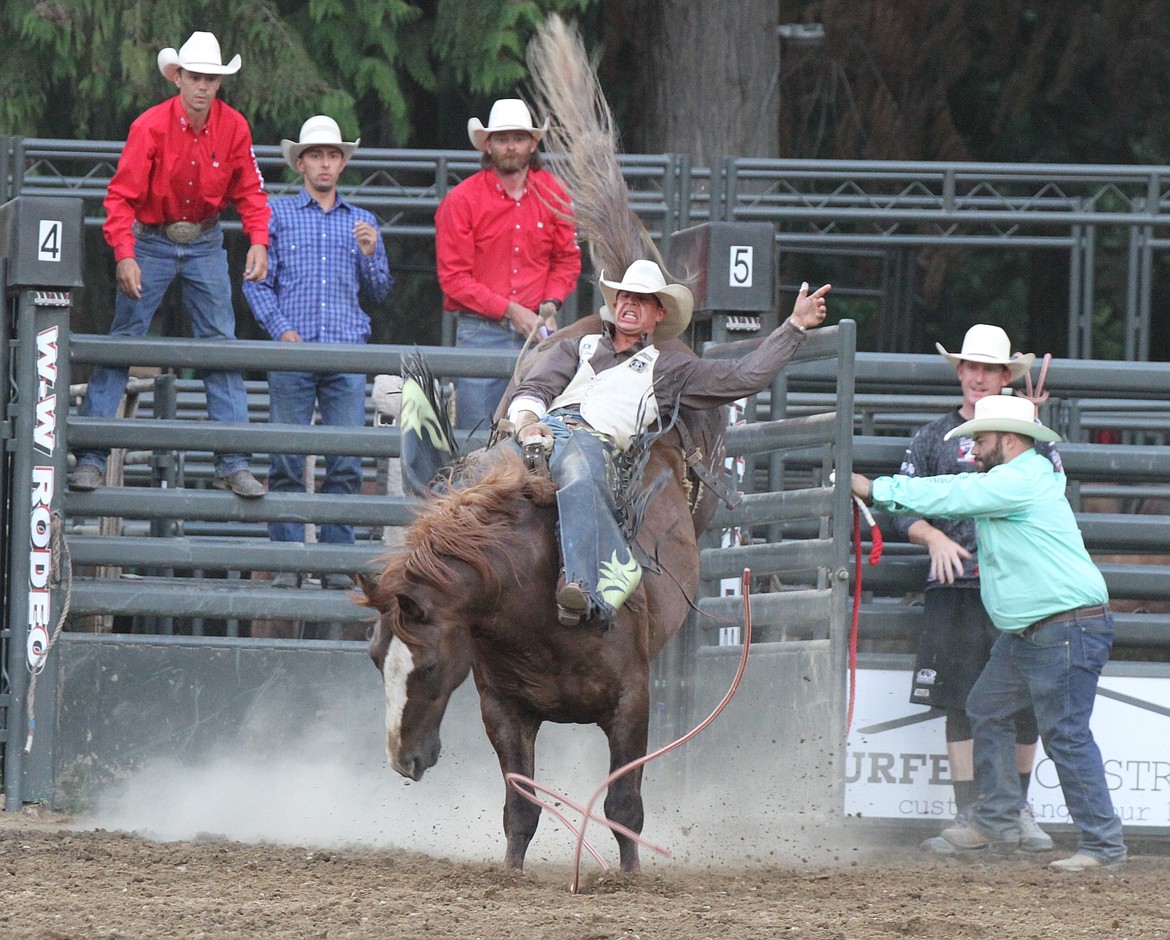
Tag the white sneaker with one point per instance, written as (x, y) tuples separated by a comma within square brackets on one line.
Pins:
[(1081, 863), (972, 837), (1032, 837), (940, 846)]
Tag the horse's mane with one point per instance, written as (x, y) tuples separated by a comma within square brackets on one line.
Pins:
[(473, 524)]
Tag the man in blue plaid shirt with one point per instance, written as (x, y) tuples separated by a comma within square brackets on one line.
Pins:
[(323, 253)]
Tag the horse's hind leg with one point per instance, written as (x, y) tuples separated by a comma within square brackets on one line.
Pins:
[(514, 738)]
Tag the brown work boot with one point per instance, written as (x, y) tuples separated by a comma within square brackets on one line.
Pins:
[(85, 478), (241, 482), (573, 605)]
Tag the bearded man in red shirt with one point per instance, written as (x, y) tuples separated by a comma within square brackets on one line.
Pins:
[(184, 161), (507, 255)]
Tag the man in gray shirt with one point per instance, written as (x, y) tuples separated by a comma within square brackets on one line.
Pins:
[(591, 396)]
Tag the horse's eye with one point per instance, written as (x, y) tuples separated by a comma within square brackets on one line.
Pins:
[(411, 611)]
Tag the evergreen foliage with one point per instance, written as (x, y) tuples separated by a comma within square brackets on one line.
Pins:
[(87, 68), (484, 42)]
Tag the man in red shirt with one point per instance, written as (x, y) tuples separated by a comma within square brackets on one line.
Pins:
[(507, 256), (184, 161)]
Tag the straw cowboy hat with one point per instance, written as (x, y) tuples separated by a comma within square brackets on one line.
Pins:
[(318, 131), (199, 54), (1004, 413), (645, 277), (986, 343), (508, 114)]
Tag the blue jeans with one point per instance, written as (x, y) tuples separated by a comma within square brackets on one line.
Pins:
[(594, 552), (342, 400), (1055, 670), (476, 399), (202, 269)]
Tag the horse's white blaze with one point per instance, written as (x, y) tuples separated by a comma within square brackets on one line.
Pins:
[(396, 669)]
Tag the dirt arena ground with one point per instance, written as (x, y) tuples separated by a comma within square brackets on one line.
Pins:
[(59, 883)]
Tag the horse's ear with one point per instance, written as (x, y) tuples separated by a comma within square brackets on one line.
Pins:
[(369, 587)]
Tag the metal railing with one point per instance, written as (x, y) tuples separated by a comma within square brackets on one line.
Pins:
[(807, 596), (831, 209), (172, 596), (789, 455), (401, 187), (167, 595)]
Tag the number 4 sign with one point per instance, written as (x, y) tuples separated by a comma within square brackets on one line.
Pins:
[(740, 266), (49, 241)]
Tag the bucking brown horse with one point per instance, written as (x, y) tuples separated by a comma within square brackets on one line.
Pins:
[(473, 590)]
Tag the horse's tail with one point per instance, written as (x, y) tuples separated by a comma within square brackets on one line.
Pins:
[(428, 441)]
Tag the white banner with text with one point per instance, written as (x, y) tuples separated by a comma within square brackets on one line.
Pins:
[(896, 755)]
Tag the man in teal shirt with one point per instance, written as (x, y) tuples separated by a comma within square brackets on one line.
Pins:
[(1048, 599)]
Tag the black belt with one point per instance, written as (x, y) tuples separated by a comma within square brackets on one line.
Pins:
[(181, 233), (1067, 616)]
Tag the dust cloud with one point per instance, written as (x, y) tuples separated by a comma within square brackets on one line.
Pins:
[(329, 786)]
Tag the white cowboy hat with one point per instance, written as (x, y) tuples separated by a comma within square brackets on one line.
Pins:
[(199, 54), (645, 277), (508, 114), (318, 131), (1004, 413), (986, 343)]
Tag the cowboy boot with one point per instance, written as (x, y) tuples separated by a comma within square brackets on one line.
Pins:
[(600, 571)]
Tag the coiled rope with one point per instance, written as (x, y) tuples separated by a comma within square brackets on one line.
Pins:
[(62, 568)]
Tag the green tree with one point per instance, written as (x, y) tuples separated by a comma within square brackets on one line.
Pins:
[(87, 68)]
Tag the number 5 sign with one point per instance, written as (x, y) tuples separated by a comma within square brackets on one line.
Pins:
[(49, 241), (740, 266)]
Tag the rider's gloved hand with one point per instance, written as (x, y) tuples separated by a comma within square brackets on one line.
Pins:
[(530, 431)]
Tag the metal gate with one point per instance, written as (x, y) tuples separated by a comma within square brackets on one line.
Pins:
[(111, 701)]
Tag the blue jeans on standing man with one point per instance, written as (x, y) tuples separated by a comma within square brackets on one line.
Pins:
[(1055, 669), (341, 398), (202, 269), (476, 399)]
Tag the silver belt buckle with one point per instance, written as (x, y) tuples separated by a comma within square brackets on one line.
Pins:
[(182, 233)]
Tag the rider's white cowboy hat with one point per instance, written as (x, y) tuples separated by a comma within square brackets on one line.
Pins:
[(987, 343), (645, 277), (507, 114), (318, 131), (199, 54), (1004, 413)]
